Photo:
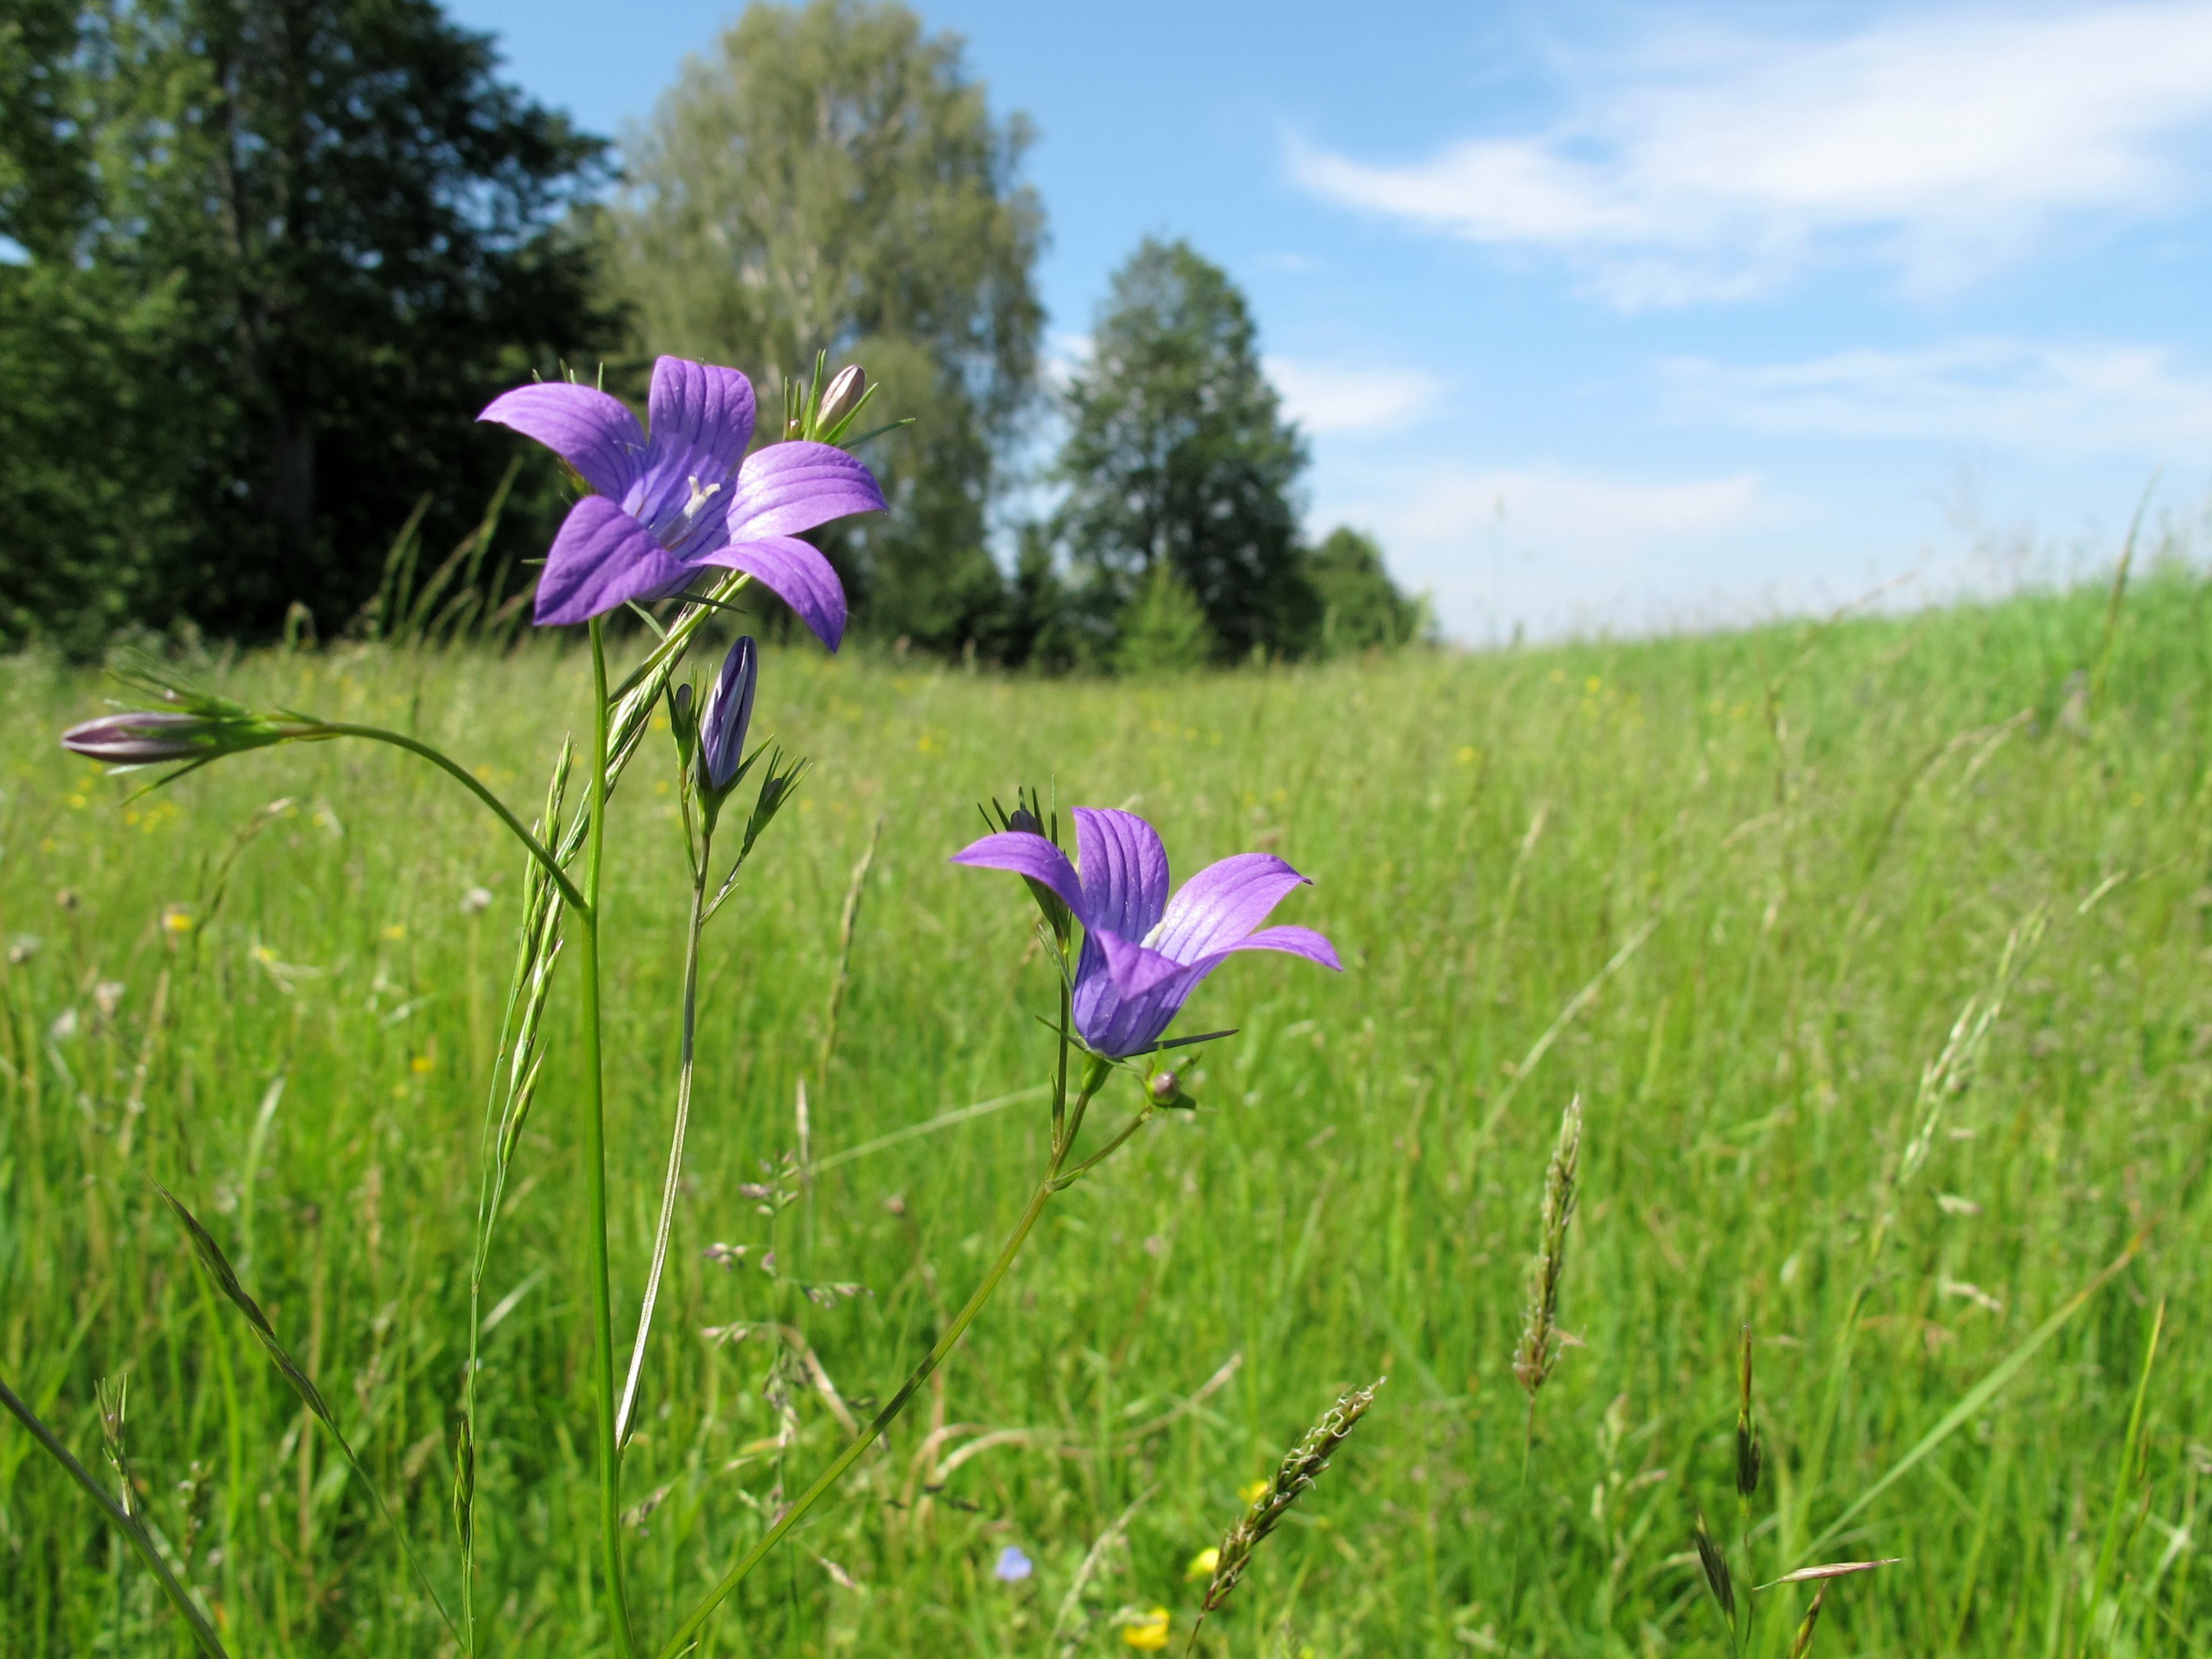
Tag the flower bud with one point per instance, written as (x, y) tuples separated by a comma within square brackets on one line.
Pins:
[(1023, 819), (1164, 1087), (842, 398), (727, 713), (143, 737)]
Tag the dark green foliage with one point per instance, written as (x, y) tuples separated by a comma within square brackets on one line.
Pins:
[(276, 255), (1361, 607), (1179, 456), (830, 178)]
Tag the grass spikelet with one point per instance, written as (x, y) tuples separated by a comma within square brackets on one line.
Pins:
[(1294, 1477), (1718, 1578), (1539, 1333), (1803, 1643)]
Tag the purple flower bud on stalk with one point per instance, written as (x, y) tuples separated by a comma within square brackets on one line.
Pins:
[(842, 398), (1164, 1087), (727, 713), (143, 737)]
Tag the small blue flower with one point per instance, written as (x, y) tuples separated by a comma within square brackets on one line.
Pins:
[(1013, 1566)]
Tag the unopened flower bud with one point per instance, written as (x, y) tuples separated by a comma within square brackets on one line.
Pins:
[(727, 713), (142, 737), (842, 398), (1163, 1087), (1024, 820)]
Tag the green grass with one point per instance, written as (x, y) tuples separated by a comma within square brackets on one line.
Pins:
[(1822, 840)]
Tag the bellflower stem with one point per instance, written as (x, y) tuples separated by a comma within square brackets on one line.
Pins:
[(468, 780), (676, 1141), (688, 1633), (595, 1159)]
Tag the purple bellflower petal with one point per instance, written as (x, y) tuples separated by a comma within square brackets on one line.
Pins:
[(601, 557), (1296, 941), (1221, 904), (1027, 853), (1143, 954), (1125, 871), (796, 573), (593, 432), (702, 419), (786, 488), (728, 712), (1138, 969), (1123, 1012)]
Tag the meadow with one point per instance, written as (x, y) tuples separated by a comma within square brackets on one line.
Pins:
[(1735, 893)]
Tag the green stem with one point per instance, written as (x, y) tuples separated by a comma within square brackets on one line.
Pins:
[(128, 1524), (461, 774), (1060, 1183), (1520, 1524), (688, 1631), (595, 1159), (668, 1188)]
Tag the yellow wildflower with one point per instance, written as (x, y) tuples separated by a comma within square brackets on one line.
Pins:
[(1202, 1564), (1255, 1490), (177, 918), (423, 1065), (1151, 1634), (395, 931)]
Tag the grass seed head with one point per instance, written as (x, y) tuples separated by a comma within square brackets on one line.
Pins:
[(1718, 1579), (1539, 1349), (1746, 1432), (1293, 1478), (1803, 1644)]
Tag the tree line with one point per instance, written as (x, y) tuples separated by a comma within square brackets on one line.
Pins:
[(261, 262)]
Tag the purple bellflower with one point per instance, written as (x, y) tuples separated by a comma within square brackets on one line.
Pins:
[(685, 497), (1143, 953)]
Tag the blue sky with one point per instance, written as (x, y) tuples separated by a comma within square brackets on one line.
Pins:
[(1628, 317)]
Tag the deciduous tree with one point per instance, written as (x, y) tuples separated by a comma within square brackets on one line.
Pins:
[(296, 244), (1178, 457), (830, 178)]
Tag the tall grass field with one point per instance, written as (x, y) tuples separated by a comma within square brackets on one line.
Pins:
[(1876, 953)]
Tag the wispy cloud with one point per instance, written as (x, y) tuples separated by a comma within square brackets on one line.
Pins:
[(1943, 144), (1328, 399), (2050, 400), (1548, 546)]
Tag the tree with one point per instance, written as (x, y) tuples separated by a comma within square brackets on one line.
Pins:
[(832, 179), (299, 243), (1361, 607), (1178, 457)]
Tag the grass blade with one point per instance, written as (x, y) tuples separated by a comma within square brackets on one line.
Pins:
[(129, 1525), (1982, 1393), (226, 1280)]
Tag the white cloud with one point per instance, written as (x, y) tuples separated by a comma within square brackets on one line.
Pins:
[(1943, 144), (1328, 399), (1549, 547), (2050, 400)]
